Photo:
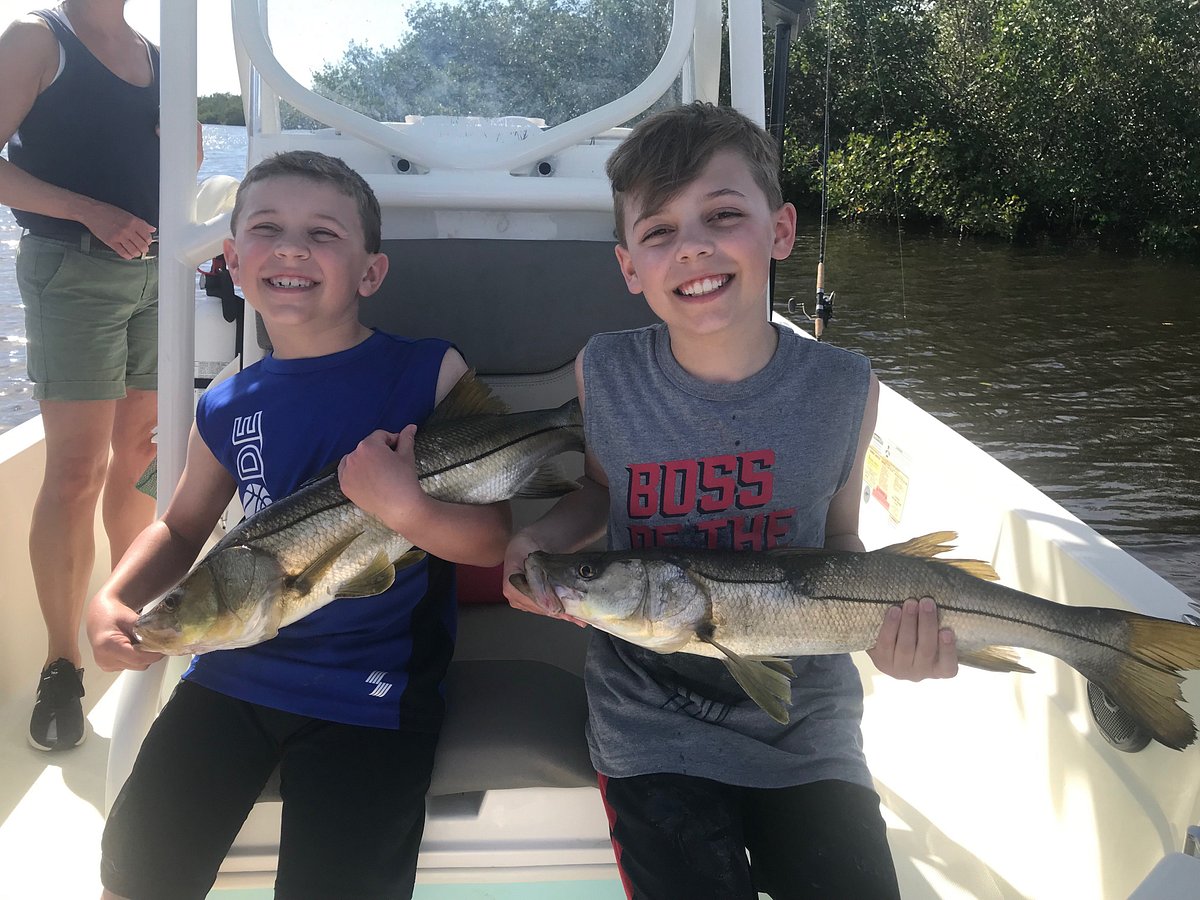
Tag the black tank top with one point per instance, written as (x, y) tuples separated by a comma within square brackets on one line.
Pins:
[(91, 133)]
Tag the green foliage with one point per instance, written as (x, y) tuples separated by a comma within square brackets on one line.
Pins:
[(550, 59), (220, 109), (1010, 117)]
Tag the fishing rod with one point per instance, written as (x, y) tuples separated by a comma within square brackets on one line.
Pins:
[(787, 14), (824, 310)]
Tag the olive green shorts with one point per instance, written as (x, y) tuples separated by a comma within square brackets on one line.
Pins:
[(91, 319)]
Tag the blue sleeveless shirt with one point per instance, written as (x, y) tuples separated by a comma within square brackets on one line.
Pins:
[(91, 133), (376, 661)]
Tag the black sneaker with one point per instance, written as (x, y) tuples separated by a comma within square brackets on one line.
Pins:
[(58, 722)]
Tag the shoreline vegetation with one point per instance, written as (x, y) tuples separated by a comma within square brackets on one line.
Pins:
[(1063, 121)]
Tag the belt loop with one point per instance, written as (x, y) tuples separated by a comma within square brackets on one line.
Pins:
[(85, 242)]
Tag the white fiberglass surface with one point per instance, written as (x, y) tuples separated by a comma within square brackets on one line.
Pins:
[(539, 59)]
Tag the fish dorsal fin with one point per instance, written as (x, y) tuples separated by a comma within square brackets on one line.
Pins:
[(547, 481), (374, 579), (318, 567), (469, 397), (928, 546), (762, 679), (993, 659)]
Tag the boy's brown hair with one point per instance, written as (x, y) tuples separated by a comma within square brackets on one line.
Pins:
[(666, 151), (323, 169)]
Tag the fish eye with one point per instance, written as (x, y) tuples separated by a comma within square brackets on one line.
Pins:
[(586, 571), (170, 603)]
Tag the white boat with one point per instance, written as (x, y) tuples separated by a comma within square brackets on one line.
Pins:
[(500, 234)]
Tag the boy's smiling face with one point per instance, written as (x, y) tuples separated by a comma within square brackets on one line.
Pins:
[(703, 259), (299, 255)]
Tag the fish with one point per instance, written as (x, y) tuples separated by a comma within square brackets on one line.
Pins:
[(755, 610), (314, 546)]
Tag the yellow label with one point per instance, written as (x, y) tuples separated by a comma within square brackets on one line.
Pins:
[(884, 480)]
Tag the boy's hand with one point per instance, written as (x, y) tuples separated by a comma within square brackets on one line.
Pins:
[(380, 475), (110, 630), (912, 647), (544, 602)]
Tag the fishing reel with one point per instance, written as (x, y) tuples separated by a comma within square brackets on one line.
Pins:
[(822, 314)]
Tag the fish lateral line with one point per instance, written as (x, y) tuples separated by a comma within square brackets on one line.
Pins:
[(492, 451), (949, 606)]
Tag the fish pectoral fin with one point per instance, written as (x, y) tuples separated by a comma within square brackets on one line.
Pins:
[(993, 659), (318, 567), (375, 579), (928, 546), (546, 482), (762, 679)]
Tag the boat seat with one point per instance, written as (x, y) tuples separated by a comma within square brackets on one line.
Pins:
[(519, 307)]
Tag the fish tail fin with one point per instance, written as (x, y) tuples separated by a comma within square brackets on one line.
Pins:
[(1145, 681)]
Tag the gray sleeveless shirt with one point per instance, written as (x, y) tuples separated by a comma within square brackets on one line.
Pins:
[(749, 465)]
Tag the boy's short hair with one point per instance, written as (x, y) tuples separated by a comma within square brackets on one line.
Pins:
[(666, 151), (323, 169)]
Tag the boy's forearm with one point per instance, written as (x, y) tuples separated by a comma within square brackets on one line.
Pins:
[(577, 520), (457, 532), (154, 563)]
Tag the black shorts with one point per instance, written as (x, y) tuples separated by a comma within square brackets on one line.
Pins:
[(353, 801), (680, 836)]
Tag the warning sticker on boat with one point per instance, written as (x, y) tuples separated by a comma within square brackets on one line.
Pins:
[(884, 479)]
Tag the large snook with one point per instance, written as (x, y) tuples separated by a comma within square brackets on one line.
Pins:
[(314, 545), (753, 610)]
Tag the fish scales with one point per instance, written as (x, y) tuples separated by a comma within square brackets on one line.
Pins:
[(801, 604), (756, 610), (307, 549)]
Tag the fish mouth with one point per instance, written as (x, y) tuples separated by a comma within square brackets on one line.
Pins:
[(160, 641), (550, 597)]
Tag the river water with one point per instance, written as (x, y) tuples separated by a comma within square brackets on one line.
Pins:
[(1078, 370)]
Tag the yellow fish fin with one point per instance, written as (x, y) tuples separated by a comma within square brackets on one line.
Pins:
[(976, 567), (409, 558), (928, 546), (318, 567), (925, 546), (469, 397), (993, 659), (763, 680), (375, 579)]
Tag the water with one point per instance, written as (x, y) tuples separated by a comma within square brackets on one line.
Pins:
[(1077, 370), (224, 154)]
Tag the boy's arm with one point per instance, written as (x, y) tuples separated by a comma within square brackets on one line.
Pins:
[(157, 559), (380, 477), (910, 645), (575, 521)]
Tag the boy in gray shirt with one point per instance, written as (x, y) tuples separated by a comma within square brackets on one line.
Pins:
[(716, 429)]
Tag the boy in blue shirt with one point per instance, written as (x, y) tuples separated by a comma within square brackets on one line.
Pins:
[(717, 429), (347, 701)]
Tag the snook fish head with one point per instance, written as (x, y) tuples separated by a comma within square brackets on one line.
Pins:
[(654, 603), (229, 598)]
